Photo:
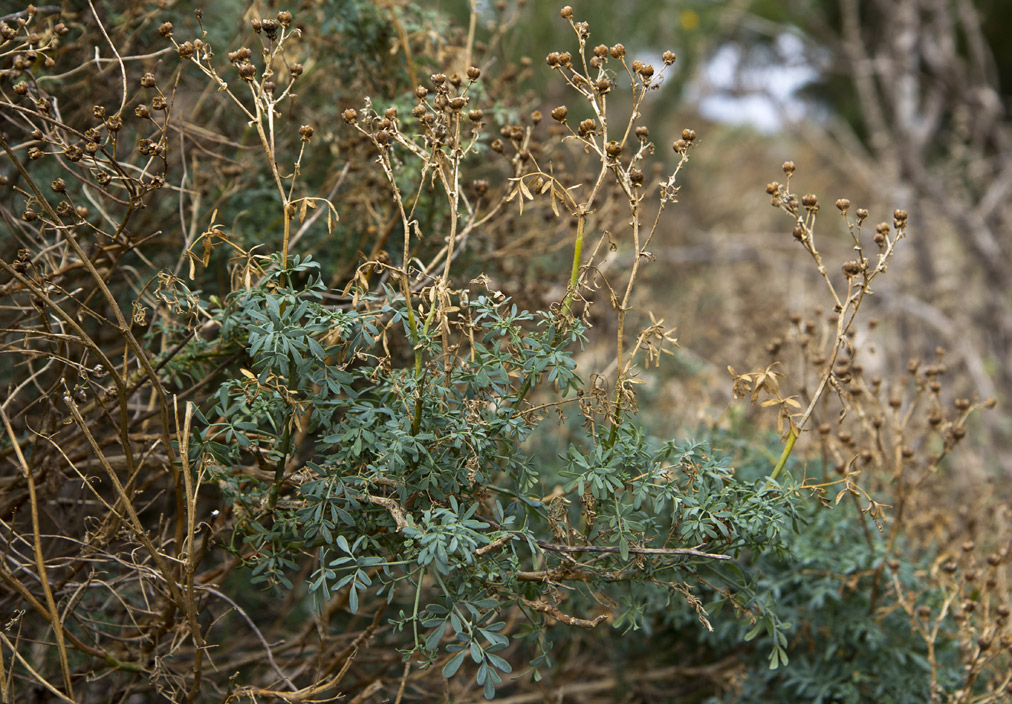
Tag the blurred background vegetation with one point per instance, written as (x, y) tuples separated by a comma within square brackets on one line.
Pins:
[(900, 104)]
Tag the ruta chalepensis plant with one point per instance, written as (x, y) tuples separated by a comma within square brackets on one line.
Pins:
[(287, 337)]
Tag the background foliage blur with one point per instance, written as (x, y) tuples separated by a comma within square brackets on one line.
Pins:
[(900, 104)]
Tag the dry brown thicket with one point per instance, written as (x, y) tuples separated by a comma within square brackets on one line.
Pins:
[(150, 185)]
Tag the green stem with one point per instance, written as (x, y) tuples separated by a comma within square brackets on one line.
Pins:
[(567, 302), (418, 598), (279, 471), (791, 439), (574, 276), (416, 421)]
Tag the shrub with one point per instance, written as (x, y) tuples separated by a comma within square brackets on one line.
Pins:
[(340, 402)]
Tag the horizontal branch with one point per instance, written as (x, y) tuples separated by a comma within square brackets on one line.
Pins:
[(395, 509), (690, 552), (553, 547), (554, 612)]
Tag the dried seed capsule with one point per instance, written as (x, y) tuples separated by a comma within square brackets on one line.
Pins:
[(566, 13), (473, 73), (842, 204), (474, 115), (668, 57), (559, 113), (617, 51), (614, 149), (306, 132), (165, 29), (285, 18), (295, 70)]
